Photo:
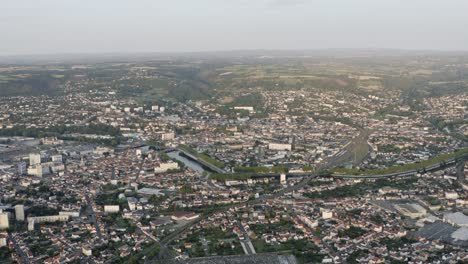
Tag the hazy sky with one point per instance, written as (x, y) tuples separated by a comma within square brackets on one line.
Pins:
[(83, 26)]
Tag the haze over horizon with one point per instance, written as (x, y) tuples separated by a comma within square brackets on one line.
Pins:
[(53, 26)]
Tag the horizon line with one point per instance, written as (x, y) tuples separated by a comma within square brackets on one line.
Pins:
[(78, 53)]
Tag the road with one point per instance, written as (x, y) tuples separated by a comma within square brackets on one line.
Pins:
[(246, 243), (18, 250), (92, 215), (327, 164)]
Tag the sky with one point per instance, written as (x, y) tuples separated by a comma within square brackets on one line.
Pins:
[(127, 26)]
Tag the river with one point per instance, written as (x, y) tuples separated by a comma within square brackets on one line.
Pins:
[(189, 163)]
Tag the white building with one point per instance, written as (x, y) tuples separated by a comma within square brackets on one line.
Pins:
[(132, 203), (412, 210), (3, 240), (149, 192), (247, 108), (142, 151), (111, 208), (87, 251), (308, 222), (73, 214), (55, 168), (48, 218), (186, 216), (451, 195), (102, 150), (19, 212), (39, 169), (327, 214), (279, 146), (56, 158), (283, 178), (31, 225), (34, 159), (4, 222), (167, 136), (457, 219), (138, 109), (163, 167), (460, 234)]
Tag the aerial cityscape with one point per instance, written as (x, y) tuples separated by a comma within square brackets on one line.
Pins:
[(263, 155)]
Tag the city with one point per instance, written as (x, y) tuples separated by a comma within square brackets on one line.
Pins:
[(313, 175), (233, 132)]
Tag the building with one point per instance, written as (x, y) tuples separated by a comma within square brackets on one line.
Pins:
[(279, 146), (103, 150), (39, 170), (411, 210), (30, 225), (457, 219), (3, 239), (51, 141), (451, 195), (186, 216), (142, 150), (460, 234), (308, 222), (87, 251), (388, 190), (149, 191), (22, 168), (163, 167), (57, 158), (111, 208), (283, 178), (34, 159), (327, 214), (246, 108), (73, 214), (167, 136), (19, 212), (132, 203), (4, 222), (57, 167), (48, 218)]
